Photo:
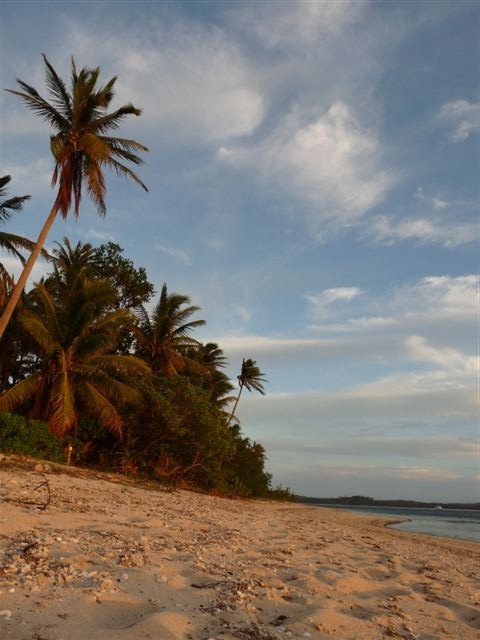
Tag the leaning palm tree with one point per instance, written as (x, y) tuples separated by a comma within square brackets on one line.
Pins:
[(164, 341), (81, 146), (251, 378), (77, 374)]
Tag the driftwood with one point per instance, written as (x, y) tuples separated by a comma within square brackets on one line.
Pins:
[(41, 505), (45, 484)]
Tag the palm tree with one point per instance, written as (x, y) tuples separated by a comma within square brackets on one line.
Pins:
[(11, 243), (251, 378), (78, 373), (212, 379), (164, 340), (81, 148), (69, 264)]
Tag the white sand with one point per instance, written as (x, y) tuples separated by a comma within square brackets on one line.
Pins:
[(110, 561)]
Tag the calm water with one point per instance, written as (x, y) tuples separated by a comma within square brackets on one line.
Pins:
[(450, 523)]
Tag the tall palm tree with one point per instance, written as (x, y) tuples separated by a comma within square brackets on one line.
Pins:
[(164, 340), (251, 378), (81, 146), (78, 373)]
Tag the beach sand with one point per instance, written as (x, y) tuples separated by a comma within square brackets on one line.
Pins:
[(111, 560)]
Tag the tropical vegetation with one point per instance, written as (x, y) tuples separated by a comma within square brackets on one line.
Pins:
[(82, 147), (130, 389), (89, 361)]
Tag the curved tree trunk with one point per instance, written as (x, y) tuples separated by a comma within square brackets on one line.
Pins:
[(235, 405), (22, 281)]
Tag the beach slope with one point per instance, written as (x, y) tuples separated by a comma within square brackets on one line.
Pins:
[(111, 560)]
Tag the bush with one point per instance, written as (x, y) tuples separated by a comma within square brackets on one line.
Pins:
[(29, 438)]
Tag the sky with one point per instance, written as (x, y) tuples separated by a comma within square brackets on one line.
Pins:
[(313, 187)]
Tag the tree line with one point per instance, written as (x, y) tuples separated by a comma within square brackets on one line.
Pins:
[(127, 389)]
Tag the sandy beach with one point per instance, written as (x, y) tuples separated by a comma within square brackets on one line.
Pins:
[(108, 559)]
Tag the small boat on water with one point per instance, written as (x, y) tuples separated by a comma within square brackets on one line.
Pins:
[(438, 506)]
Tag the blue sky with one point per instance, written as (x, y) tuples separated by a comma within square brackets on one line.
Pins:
[(313, 186)]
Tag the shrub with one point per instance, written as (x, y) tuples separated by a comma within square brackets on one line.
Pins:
[(29, 437)]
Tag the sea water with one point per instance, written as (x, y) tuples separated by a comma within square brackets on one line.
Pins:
[(450, 523)]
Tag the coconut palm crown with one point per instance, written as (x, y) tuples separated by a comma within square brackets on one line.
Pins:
[(164, 341), (250, 378), (78, 372), (81, 144)]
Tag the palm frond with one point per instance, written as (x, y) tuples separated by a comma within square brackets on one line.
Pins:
[(113, 120), (118, 392), (58, 90), (19, 394), (35, 327), (125, 364), (124, 143), (39, 105), (61, 406), (13, 244), (101, 408), (10, 206), (121, 170)]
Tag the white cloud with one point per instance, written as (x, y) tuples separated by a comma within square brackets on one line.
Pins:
[(103, 236), (33, 177), (433, 301), (441, 295), (191, 81), (405, 396), (463, 116), (447, 358), (385, 446), (14, 267), (179, 255), (296, 25), (328, 160), (424, 473), (320, 304), (450, 234)]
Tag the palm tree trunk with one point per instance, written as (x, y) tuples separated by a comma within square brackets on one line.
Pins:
[(235, 405), (27, 269)]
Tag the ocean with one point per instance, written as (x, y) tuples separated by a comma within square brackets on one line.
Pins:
[(450, 523)]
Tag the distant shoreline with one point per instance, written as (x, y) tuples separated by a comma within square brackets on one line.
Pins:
[(365, 501)]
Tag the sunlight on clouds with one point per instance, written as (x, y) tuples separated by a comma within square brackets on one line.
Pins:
[(449, 359), (203, 89), (329, 161)]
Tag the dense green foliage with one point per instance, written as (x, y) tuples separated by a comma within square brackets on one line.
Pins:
[(130, 391), (28, 437), (127, 389)]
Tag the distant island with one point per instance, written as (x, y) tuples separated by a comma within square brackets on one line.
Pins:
[(366, 501)]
